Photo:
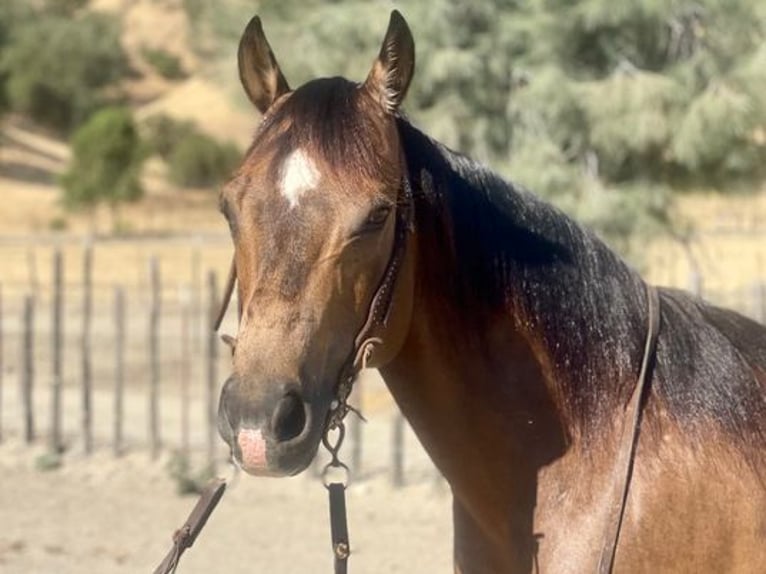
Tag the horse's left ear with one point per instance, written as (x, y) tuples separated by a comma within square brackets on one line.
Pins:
[(258, 69), (391, 73)]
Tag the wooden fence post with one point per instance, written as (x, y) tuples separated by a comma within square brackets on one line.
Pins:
[(198, 317), (2, 363), (27, 364), (185, 370), (759, 294), (119, 367), (34, 281), (87, 312), (355, 430), (56, 443), (154, 359), (212, 370), (397, 476), (696, 285)]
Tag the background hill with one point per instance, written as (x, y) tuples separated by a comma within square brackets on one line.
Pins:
[(643, 120)]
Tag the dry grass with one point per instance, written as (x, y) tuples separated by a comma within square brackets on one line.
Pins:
[(729, 244)]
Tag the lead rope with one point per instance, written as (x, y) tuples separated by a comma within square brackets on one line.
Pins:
[(630, 442)]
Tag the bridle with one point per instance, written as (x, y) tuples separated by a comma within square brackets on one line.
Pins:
[(369, 335), (379, 310)]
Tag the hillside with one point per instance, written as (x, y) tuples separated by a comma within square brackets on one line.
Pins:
[(31, 160), (728, 245)]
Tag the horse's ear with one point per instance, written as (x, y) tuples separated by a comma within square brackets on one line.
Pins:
[(258, 69), (391, 73)]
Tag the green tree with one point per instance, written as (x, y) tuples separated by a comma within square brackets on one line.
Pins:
[(608, 108), (200, 161), (57, 67), (106, 161), (194, 159), (13, 13)]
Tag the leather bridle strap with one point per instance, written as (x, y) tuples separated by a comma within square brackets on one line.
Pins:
[(227, 292), (369, 335), (627, 450), (379, 310)]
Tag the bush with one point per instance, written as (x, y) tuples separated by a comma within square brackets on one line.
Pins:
[(165, 63), (163, 134), (106, 163), (200, 161), (187, 480), (13, 13), (57, 67), (194, 158)]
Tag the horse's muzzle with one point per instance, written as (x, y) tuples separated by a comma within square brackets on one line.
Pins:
[(271, 431)]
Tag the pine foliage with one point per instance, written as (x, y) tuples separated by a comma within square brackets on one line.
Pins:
[(604, 106), (607, 107)]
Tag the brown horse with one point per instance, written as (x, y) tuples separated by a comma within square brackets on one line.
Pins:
[(510, 337)]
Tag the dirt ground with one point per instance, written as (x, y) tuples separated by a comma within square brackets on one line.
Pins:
[(112, 516), (116, 515)]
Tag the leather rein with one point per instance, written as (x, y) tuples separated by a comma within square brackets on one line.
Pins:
[(627, 450), (370, 335)]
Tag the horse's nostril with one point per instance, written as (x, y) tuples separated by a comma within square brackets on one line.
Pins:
[(289, 418)]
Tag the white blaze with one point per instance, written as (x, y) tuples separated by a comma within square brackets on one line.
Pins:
[(298, 175)]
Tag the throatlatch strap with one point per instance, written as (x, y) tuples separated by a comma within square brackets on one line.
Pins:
[(627, 451)]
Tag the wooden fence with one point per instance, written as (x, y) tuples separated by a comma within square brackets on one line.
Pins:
[(71, 343), (128, 352)]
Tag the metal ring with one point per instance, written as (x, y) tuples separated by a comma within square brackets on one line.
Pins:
[(335, 465)]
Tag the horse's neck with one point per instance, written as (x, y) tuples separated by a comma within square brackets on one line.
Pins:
[(488, 421), (495, 259), (484, 399)]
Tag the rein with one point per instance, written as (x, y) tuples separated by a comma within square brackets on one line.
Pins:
[(627, 451)]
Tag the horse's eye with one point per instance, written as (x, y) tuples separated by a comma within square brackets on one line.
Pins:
[(378, 216)]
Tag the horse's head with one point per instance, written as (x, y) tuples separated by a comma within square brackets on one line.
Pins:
[(314, 211)]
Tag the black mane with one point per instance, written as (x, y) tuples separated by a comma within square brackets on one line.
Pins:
[(502, 248)]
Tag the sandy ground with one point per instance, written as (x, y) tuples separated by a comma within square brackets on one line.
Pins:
[(116, 516)]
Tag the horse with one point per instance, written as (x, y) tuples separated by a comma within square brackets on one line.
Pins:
[(511, 338)]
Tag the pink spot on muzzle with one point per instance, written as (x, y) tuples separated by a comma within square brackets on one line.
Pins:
[(253, 447)]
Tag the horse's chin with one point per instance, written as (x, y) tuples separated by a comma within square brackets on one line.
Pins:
[(260, 456)]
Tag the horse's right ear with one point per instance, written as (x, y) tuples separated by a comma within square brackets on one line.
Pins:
[(258, 69), (391, 73)]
